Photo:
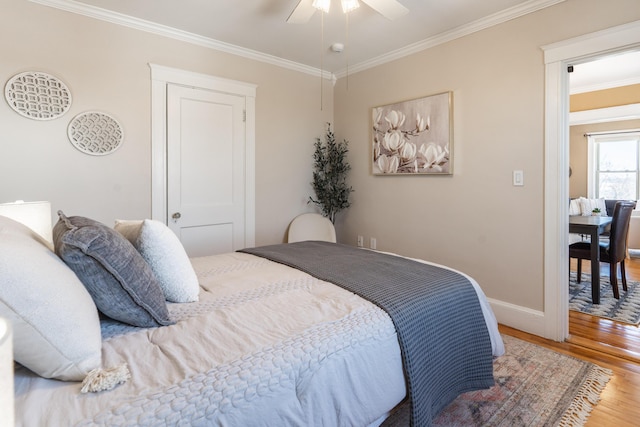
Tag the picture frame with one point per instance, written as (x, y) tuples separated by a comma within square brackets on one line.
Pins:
[(413, 137)]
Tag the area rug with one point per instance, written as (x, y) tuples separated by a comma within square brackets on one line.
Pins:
[(625, 310), (534, 386)]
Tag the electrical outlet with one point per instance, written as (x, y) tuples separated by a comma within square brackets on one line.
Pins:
[(360, 241), (372, 243)]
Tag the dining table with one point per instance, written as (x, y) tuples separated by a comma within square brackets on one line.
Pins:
[(593, 226)]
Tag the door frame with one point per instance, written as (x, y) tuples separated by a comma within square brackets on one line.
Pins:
[(557, 57), (161, 77)]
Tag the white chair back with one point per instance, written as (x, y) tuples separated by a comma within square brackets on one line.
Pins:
[(311, 226)]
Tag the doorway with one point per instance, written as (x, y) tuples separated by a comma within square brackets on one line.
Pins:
[(203, 96), (589, 121), (556, 186), (205, 169)]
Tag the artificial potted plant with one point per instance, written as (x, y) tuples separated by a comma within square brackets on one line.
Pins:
[(330, 168)]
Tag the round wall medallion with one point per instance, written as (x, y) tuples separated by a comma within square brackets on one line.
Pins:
[(38, 96), (95, 133)]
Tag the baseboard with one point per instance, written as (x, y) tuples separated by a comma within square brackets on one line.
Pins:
[(518, 317)]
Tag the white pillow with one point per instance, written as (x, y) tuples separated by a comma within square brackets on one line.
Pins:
[(574, 207), (56, 328), (166, 256), (588, 205)]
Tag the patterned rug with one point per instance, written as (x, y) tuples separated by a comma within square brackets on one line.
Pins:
[(534, 387), (625, 310)]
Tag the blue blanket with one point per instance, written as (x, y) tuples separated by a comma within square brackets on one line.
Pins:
[(445, 344)]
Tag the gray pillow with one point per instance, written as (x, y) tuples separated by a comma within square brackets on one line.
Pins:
[(118, 279)]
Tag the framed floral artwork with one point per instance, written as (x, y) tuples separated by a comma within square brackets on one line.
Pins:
[(413, 137)]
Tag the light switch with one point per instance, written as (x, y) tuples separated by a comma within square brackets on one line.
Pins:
[(518, 178)]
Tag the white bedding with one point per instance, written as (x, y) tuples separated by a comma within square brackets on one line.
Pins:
[(265, 345)]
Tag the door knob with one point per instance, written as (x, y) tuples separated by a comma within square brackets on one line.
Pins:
[(176, 216)]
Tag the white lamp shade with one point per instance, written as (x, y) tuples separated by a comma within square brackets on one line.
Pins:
[(35, 215), (6, 375), (349, 5), (322, 5)]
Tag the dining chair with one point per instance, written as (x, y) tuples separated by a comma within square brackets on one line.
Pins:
[(610, 204), (311, 226), (612, 252)]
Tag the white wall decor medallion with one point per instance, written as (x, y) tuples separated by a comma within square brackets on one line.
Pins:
[(37, 96), (95, 133)]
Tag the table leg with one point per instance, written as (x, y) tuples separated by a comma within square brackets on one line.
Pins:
[(595, 266)]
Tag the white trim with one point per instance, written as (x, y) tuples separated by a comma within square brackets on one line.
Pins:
[(161, 76), (250, 172), (556, 179), (605, 85), (591, 164), (593, 45), (158, 149), (518, 317), (203, 81), (610, 114), (166, 31), (556, 188)]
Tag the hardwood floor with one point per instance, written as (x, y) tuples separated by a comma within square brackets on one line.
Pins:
[(606, 335), (611, 345)]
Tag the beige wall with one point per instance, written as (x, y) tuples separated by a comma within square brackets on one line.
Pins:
[(105, 66), (605, 98), (475, 220)]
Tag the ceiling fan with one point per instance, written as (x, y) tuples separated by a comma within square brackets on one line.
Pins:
[(390, 9)]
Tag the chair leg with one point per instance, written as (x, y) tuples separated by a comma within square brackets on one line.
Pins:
[(613, 278), (624, 275), (579, 272)]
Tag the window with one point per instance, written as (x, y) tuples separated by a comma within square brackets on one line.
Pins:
[(614, 165)]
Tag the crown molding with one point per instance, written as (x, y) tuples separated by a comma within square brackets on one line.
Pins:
[(456, 33), (166, 31), (173, 33)]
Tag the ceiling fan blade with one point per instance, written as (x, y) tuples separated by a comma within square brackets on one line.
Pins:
[(302, 13), (390, 9)]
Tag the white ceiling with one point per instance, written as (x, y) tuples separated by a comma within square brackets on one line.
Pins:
[(258, 29), (610, 71)]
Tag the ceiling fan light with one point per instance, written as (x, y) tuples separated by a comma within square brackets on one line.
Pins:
[(322, 5), (349, 5)]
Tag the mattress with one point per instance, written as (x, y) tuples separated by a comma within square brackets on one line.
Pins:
[(265, 345)]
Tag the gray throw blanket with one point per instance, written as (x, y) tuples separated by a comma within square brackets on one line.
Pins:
[(445, 344)]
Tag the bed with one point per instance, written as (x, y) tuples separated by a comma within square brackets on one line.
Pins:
[(259, 342)]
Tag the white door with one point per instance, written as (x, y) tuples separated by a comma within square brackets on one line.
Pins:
[(206, 169)]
